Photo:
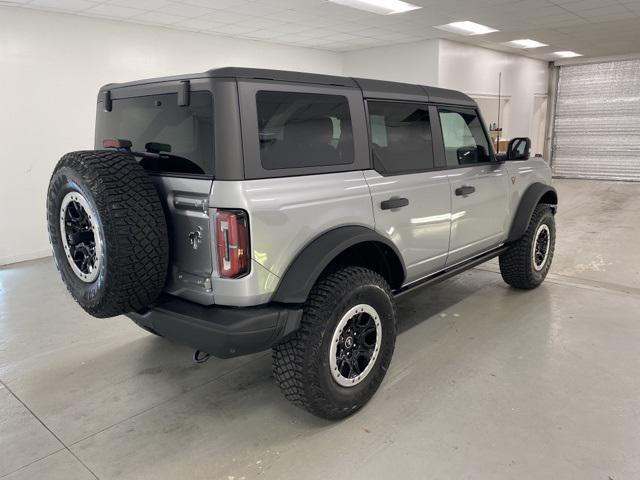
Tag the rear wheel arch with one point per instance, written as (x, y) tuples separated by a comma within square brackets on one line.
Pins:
[(535, 194), (348, 245)]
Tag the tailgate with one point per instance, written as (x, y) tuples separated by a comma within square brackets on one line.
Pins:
[(186, 203)]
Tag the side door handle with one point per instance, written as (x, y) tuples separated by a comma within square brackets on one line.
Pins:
[(394, 203), (465, 190)]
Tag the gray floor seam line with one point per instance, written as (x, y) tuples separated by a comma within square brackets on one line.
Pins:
[(76, 442), (48, 429), (582, 283), (32, 462), (610, 287)]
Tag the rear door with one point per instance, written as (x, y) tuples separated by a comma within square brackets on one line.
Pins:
[(479, 185), (410, 192)]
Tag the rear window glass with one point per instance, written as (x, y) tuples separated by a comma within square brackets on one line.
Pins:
[(157, 119), (401, 139), (303, 130)]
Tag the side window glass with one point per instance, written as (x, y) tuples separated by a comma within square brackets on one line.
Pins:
[(303, 130), (464, 139), (401, 139)]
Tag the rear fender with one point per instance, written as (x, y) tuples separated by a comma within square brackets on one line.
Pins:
[(307, 267)]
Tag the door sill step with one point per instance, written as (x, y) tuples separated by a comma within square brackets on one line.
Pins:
[(451, 271)]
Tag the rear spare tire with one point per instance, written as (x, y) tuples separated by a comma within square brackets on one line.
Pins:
[(108, 232)]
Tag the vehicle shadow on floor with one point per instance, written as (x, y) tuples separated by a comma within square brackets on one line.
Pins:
[(254, 379), (420, 305), (240, 395)]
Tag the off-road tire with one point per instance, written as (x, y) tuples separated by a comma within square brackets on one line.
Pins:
[(517, 263), (301, 363), (131, 224)]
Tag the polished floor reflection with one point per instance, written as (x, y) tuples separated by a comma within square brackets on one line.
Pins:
[(487, 382)]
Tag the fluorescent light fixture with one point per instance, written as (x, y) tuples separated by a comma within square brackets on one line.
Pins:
[(567, 54), (381, 7), (467, 28), (526, 43)]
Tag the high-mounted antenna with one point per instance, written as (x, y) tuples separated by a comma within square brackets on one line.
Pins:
[(499, 105)]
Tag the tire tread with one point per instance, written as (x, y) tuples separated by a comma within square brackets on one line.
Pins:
[(295, 360), (134, 228), (515, 263)]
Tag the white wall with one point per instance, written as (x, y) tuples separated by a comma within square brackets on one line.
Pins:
[(408, 62), (474, 70), (51, 66)]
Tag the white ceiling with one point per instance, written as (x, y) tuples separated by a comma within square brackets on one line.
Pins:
[(592, 27)]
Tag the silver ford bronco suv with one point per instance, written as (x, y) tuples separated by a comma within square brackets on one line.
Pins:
[(240, 210)]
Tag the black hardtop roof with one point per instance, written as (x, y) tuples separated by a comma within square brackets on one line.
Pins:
[(370, 88)]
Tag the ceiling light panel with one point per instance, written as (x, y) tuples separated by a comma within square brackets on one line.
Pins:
[(381, 7), (466, 28), (567, 54), (526, 43)]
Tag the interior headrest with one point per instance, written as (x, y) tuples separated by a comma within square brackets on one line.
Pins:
[(313, 130), (411, 132)]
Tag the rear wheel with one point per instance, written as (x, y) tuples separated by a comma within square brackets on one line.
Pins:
[(338, 358), (108, 232), (526, 263)]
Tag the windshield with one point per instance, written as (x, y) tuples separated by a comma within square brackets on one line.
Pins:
[(181, 137)]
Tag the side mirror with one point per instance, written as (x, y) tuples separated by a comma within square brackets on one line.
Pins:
[(519, 148)]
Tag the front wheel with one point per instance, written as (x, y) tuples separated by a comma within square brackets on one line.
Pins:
[(338, 358), (526, 263)]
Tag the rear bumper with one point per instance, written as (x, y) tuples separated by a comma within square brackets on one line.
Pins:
[(218, 330)]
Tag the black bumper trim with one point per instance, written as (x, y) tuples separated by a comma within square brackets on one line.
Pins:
[(221, 331)]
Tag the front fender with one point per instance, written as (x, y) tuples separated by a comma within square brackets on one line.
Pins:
[(535, 193)]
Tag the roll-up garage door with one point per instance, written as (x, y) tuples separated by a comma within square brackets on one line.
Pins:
[(597, 121)]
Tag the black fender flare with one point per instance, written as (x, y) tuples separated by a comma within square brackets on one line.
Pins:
[(532, 196), (305, 269)]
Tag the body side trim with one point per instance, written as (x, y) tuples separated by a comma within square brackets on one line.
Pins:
[(451, 271)]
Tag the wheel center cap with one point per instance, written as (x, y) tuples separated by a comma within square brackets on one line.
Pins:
[(348, 342)]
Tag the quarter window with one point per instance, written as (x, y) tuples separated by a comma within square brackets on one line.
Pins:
[(465, 141), (303, 130), (401, 139)]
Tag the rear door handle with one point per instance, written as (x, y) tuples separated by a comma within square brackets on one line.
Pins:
[(394, 203), (465, 190)]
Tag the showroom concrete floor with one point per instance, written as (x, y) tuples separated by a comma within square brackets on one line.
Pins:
[(487, 382)]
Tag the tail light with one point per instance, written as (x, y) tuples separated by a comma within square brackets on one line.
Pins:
[(232, 243)]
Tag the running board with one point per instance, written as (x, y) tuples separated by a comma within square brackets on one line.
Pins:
[(451, 271)]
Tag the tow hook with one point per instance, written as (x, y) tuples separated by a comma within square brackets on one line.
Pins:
[(200, 357)]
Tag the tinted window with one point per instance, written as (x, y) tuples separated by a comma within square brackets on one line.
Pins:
[(158, 119), (303, 130), (464, 139), (400, 137)]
